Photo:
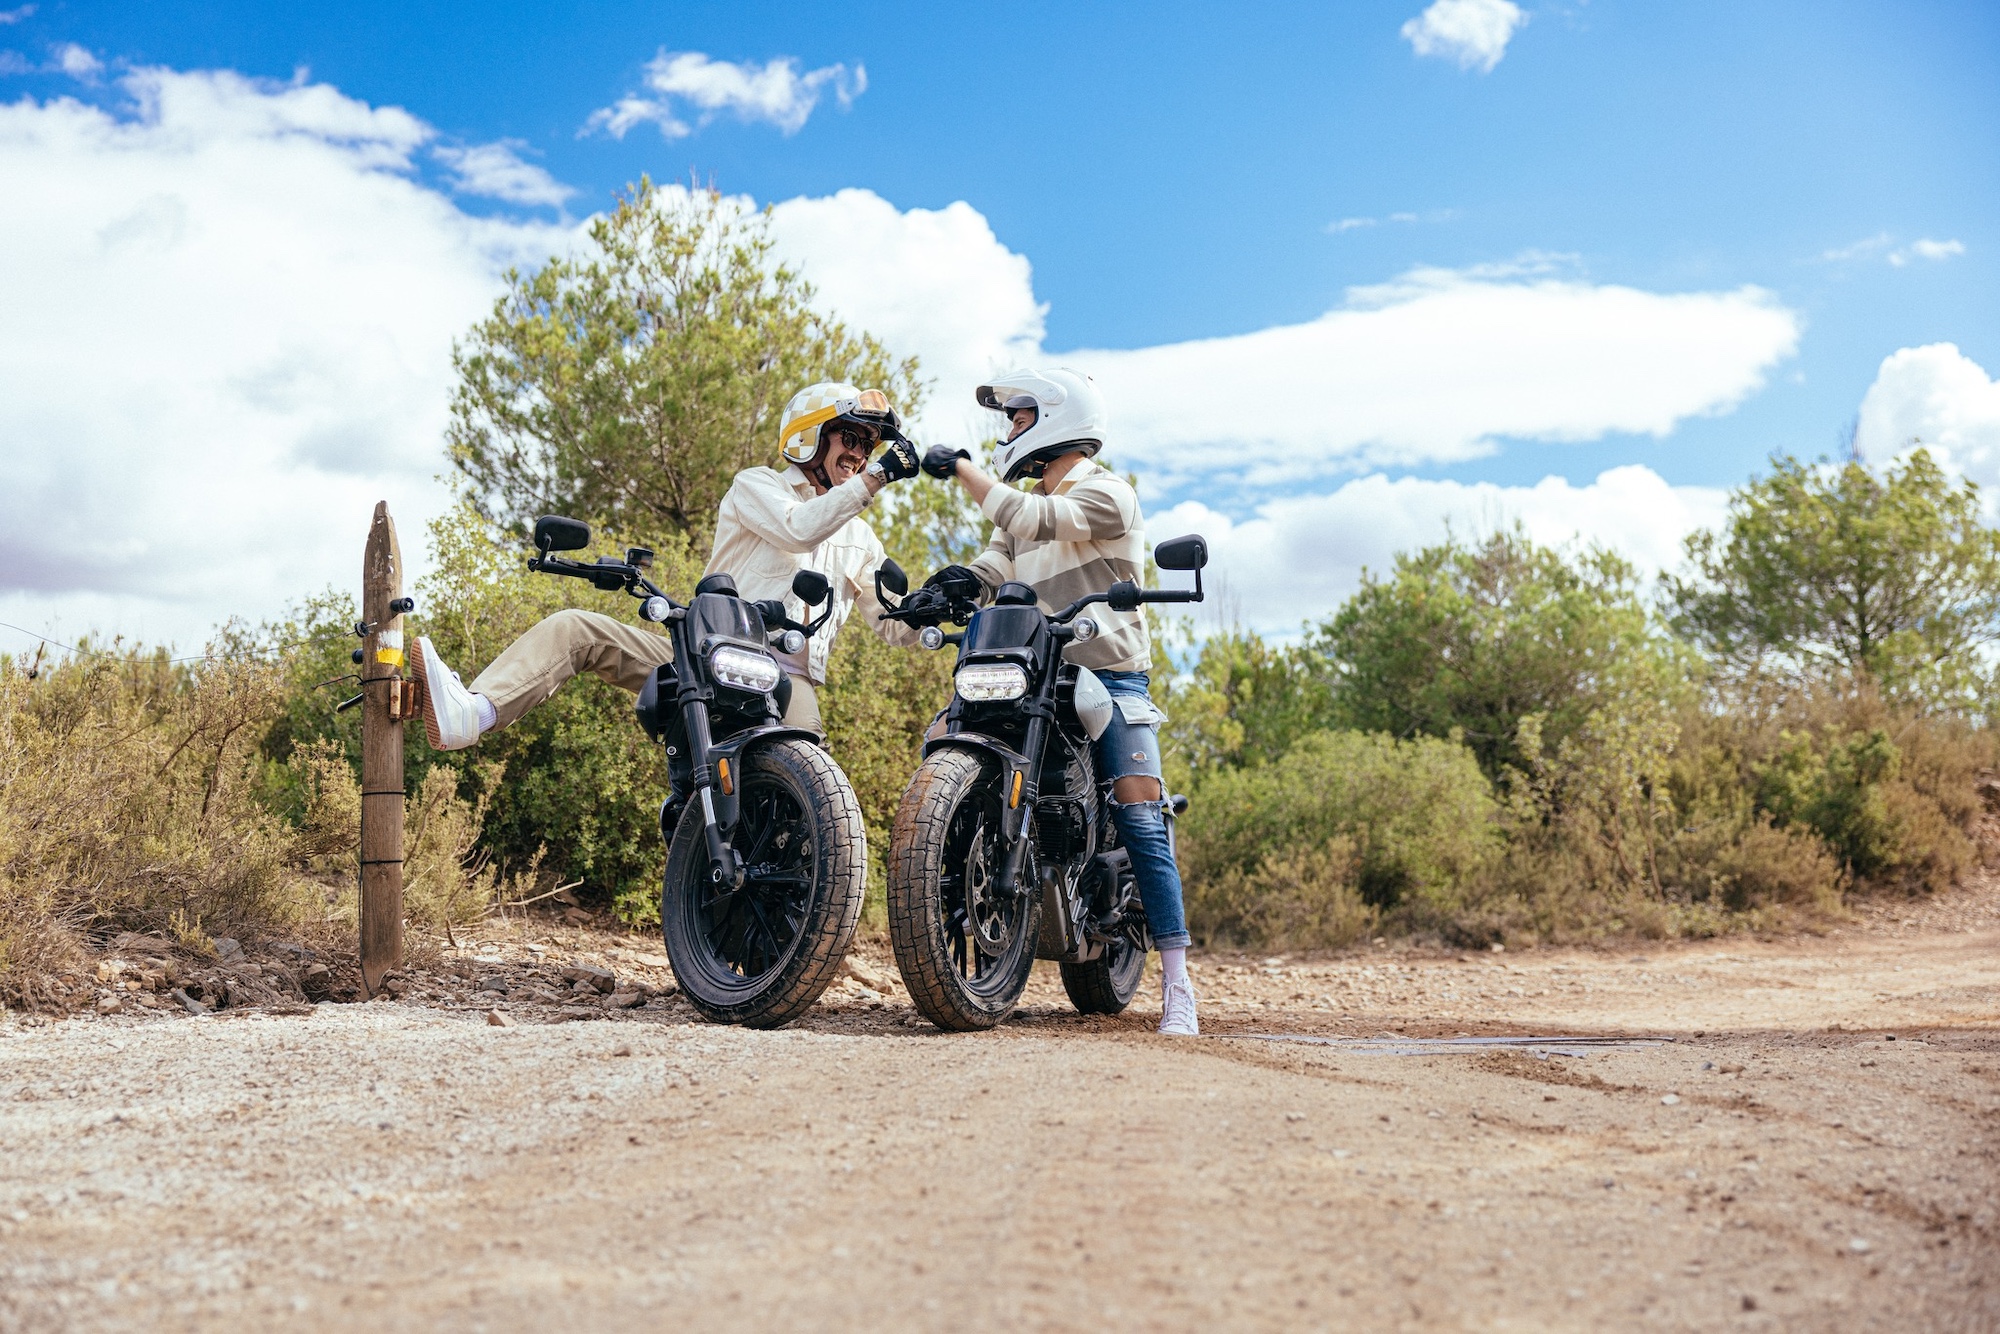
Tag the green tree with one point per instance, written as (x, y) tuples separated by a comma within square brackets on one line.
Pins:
[(629, 385), (1840, 572), (1470, 640)]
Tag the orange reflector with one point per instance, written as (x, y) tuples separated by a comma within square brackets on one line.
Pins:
[(728, 788), (1014, 797)]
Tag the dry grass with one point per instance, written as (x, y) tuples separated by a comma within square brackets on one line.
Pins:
[(130, 801)]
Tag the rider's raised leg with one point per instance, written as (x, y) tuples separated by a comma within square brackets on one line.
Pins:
[(531, 669)]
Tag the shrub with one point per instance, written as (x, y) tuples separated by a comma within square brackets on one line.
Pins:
[(1300, 897), (1417, 817)]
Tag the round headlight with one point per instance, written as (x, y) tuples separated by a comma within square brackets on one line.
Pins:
[(983, 682), (743, 669)]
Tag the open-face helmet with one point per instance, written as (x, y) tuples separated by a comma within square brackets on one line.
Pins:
[(1069, 417), (820, 407)]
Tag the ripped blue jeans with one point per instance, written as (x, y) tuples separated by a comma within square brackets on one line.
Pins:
[(1131, 747)]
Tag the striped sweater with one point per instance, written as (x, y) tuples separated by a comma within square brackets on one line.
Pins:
[(1083, 538)]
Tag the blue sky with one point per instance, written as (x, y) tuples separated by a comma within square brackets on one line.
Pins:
[(1182, 172)]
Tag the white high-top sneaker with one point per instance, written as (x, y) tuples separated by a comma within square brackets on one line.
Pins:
[(451, 712), (1177, 1017)]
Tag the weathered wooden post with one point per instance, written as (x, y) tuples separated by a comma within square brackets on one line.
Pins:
[(385, 703)]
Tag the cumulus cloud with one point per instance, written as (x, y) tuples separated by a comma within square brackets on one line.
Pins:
[(75, 61), (934, 282), (232, 305), (1938, 397), (1474, 33), (231, 308), (775, 93), (1297, 557), (8, 16), (497, 171), (1437, 367)]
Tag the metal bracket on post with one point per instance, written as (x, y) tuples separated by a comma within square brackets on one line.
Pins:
[(386, 700)]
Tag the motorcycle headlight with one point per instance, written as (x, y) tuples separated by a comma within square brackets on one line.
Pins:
[(982, 682), (743, 669)]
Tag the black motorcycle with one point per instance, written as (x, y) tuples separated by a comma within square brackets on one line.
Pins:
[(1003, 850), (767, 858)]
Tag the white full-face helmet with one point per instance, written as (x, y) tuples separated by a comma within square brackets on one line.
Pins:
[(1069, 416)]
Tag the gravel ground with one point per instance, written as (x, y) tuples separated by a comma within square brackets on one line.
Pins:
[(1813, 1148)]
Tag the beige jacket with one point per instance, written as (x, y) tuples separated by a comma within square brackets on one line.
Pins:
[(1082, 539), (772, 525)]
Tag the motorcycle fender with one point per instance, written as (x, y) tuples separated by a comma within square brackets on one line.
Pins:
[(1013, 767), (729, 804)]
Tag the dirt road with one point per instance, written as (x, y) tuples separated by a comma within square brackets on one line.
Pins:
[(1813, 1149)]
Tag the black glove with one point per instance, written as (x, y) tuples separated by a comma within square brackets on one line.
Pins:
[(773, 612), (926, 606), (956, 582), (898, 460), (942, 461)]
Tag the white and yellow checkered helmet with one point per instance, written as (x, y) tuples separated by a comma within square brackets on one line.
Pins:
[(833, 400)]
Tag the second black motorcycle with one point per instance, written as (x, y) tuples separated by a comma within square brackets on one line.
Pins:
[(1004, 850)]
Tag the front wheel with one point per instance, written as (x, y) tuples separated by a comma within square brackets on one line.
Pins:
[(761, 954), (964, 951)]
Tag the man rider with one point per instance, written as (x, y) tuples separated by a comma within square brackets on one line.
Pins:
[(1080, 531), (772, 523)]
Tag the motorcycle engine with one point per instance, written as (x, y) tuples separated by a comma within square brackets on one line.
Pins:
[(1066, 813)]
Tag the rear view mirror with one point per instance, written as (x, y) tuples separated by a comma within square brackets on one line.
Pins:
[(555, 533), (810, 587), (1182, 553), (891, 577), (639, 558)]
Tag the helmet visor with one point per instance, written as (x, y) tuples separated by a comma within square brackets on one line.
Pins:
[(871, 408)]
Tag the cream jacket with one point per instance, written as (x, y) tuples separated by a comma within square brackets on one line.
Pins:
[(772, 525)]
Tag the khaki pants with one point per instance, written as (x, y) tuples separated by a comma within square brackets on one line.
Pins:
[(535, 666)]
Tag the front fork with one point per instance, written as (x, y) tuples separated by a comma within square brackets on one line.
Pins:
[(1020, 796), (725, 867)]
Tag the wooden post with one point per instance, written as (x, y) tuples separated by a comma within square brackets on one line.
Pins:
[(382, 706)]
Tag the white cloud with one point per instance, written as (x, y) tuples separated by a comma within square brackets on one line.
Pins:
[(1435, 367), (232, 305), (774, 92), (8, 16), (1884, 244), (933, 282), (1940, 398), (230, 314), (1298, 557), (1473, 33), (75, 61), (1926, 248), (497, 171)]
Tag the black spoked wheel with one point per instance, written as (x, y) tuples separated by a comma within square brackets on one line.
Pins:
[(761, 953), (964, 950), (1107, 984)]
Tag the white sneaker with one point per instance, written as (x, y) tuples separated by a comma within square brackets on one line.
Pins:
[(451, 712), (1177, 1017)]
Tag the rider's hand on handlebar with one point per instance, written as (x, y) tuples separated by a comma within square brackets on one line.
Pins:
[(955, 582), (942, 461), (898, 460), (773, 612)]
